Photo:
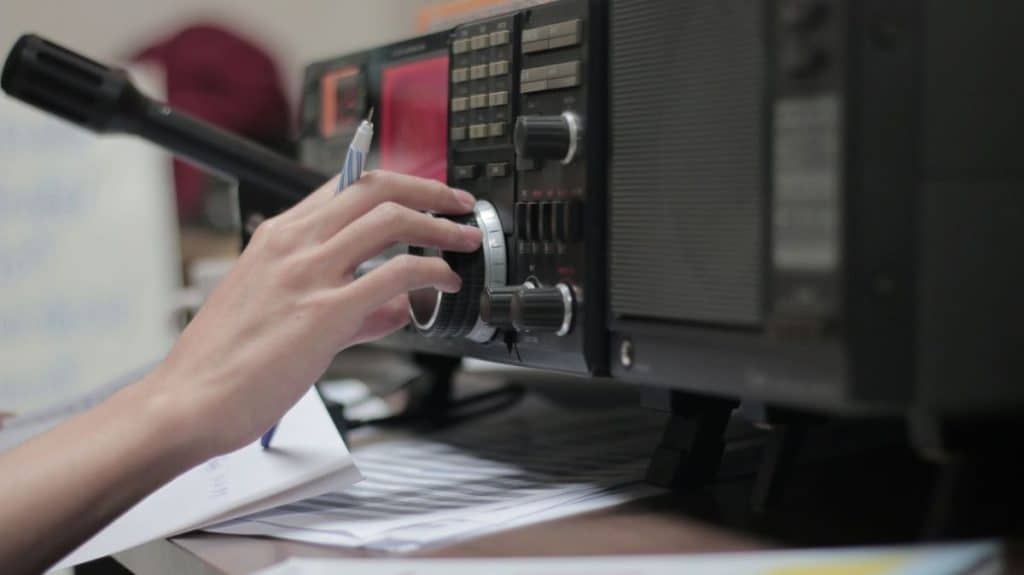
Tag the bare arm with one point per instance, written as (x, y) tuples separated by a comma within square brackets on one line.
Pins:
[(263, 338)]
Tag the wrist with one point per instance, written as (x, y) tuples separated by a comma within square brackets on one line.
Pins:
[(166, 421)]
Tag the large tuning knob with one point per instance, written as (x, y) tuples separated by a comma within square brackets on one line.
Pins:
[(548, 137), (437, 314)]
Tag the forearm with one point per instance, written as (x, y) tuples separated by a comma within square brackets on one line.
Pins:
[(263, 337), (62, 487)]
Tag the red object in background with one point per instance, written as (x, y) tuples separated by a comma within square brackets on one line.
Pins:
[(214, 74), (414, 118)]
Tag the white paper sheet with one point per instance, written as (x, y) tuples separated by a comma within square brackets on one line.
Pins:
[(307, 458), (535, 463), (955, 559)]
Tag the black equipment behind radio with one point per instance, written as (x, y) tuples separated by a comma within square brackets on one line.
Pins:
[(810, 203)]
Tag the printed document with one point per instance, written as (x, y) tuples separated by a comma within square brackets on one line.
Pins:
[(534, 463)]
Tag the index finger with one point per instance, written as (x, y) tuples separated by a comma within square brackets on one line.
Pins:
[(377, 187), (316, 200)]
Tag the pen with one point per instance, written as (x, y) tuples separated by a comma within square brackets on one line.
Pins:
[(355, 160)]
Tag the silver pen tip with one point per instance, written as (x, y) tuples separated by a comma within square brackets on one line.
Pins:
[(369, 117)]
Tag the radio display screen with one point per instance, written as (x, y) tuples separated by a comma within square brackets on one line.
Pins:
[(413, 129)]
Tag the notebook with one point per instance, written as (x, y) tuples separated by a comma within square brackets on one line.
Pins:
[(308, 458)]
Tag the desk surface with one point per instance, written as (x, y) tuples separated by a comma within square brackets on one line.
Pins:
[(654, 525), (857, 506)]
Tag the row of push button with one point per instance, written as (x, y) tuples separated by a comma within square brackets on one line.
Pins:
[(550, 37), (497, 38), (478, 131), (549, 221), (476, 101), (480, 71), (471, 171), (552, 77)]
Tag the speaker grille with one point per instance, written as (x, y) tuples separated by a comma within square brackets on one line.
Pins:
[(686, 198)]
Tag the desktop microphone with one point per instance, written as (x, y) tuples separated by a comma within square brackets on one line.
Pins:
[(104, 100)]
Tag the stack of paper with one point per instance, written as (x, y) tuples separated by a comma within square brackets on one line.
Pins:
[(308, 458), (535, 463), (956, 559)]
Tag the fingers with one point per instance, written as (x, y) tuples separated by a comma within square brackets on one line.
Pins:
[(384, 320), (377, 187), (390, 223), (315, 200), (401, 274)]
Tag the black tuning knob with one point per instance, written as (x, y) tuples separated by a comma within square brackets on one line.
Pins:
[(544, 309), (457, 315), (496, 306), (548, 137)]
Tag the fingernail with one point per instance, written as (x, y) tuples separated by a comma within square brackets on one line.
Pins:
[(464, 198), (471, 236)]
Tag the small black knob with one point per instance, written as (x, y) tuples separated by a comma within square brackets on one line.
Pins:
[(544, 309), (548, 137), (496, 306)]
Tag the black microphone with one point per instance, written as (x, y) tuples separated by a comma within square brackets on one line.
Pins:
[(104, 100)]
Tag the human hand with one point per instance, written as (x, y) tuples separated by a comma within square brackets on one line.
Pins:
[(291, 302)]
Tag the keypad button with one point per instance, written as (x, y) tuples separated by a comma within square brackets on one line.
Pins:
[(478, 101), (569, 27), (479, 42), (458, 133), (499, 38), (460, 75), (459, 104), (498, 68), (497, 169), (478, 131), (538, 46), (460, 46), (562, 70), (496, 129), (571, 68), (529, 87), (478, 72), (535, 34), (497, 99), (465, 172), (567, 82), (563, 41), (533, 74)]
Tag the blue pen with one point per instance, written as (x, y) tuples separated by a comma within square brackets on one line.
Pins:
[(355, 160)]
